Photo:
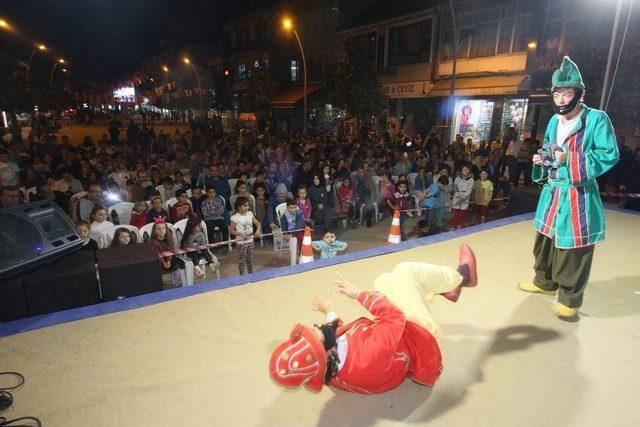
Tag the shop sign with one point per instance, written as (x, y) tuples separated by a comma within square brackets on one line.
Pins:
[(407, 90)]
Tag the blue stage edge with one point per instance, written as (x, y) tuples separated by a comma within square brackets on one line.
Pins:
[(32, 323)]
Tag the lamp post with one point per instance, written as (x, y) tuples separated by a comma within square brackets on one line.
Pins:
[(39, 47), (452, 88), (53, 70), (187, 61), (287, 24)]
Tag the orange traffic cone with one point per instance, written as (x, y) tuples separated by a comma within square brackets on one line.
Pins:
[(306, 252), (394, 231)]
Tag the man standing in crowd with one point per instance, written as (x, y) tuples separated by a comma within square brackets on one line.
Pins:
[(579, 146)]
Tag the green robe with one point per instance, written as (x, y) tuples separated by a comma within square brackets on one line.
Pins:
[(570, 209)]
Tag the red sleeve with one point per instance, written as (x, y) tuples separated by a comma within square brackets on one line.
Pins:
[(390, 321)]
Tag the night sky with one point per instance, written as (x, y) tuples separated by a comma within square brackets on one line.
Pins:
[(106, 40)]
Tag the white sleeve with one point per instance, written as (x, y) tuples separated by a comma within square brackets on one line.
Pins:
[(331, 316)]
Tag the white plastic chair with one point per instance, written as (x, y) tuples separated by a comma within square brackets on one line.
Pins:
[(111, 231), (394, 178), (278, 240), (232, 183), (123, 211), (186, 275), (31, 191), (160, 190), (412, 179), (180, 226)]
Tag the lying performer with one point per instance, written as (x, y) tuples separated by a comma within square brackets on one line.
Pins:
[(374, 356)]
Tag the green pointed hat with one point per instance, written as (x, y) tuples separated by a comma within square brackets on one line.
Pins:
[(568, 75)]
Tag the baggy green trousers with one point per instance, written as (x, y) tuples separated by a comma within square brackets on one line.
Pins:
[(565, 270)]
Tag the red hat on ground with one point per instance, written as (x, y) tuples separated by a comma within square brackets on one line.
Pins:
[(300, 359)]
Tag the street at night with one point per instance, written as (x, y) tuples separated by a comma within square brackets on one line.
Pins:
[(319, 213)]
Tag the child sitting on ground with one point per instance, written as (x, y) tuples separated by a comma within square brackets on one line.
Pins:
[(122, 237), (88, 244), (329, 246), (139, 214), (193, 237)]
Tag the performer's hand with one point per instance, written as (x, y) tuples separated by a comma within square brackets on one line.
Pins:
[(322, 304), (346, 287), (537, 159), (561, 156)]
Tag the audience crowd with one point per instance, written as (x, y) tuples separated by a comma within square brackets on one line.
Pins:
[(235, 184)]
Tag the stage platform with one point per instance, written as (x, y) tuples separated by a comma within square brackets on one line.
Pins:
[(199, 356)]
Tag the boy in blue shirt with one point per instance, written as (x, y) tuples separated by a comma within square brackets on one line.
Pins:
[(432, 196), (328, 246)]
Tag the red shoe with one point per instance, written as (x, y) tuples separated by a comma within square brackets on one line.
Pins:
[(467, 266), (454, 294)]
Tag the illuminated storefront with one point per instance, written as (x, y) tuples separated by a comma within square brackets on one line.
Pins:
[(488, 119)]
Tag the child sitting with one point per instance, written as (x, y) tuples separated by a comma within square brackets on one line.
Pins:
[(292, 219), (122, 237), (423, 228), (329, 246), (162, 240), (99, 224), (139, 214), (182, 208), (304, 204), (88, 244), (156, 211), (193, 237), (241, 190)]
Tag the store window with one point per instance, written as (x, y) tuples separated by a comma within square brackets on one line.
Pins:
[(294, 70), (473, 119), (410, 43), (513, 115)]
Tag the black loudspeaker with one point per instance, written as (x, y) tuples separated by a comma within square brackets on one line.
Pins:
[(13, 304), (127, 271), (31, 234), (523, 200), (62, 284)]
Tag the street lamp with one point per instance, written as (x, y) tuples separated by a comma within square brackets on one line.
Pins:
[(612, 45), (165, 68), (40, 47), (187, 61), (287, 24), (4, 24), (55, 64)]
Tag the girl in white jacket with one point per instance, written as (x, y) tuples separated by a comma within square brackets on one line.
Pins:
[(462, 186)]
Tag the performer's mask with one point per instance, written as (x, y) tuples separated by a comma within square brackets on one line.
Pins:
[(564, 110)]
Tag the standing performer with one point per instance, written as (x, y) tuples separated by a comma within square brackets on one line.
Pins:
[(374, 356), (579, 145)]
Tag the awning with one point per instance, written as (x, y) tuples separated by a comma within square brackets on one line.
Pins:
[(287, 97), (488, 85)]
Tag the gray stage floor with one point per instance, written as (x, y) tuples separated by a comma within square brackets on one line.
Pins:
[(203, 360)]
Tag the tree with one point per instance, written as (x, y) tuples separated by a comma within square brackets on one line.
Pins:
[(261, 89), (354, 86)]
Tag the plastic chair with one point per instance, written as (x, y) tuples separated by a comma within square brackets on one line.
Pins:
[(160, 190), (123, 211), (278, 240), (232, 183), (412, 179), (110, 232), (31, 191)]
